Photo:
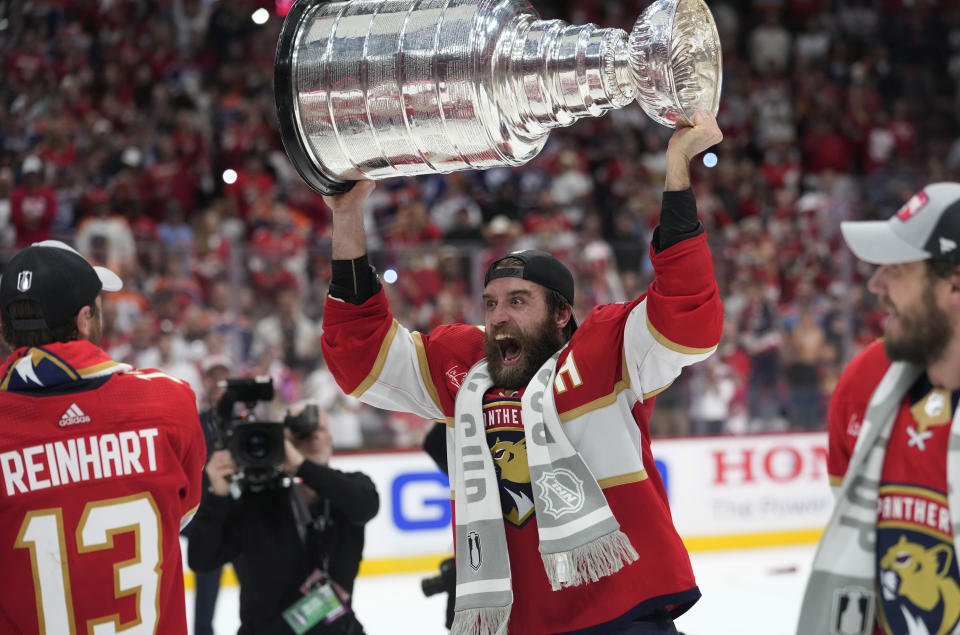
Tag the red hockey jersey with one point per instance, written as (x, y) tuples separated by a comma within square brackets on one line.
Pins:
[(917, 574), (618, 360), (98, 468)]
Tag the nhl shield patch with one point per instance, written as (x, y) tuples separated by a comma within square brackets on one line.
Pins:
[(561, 491)]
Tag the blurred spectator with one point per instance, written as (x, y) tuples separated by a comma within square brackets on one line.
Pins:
[(770, 44), (343, 411), (121, 251), (119, 128), (33, 204), (762, 341), (571, 186), (713, 388), (173, 231), (287, 331), (456, 214), (7, 232), (805, 350), (170, 354), (412, 226), (811, 45), (546, 226)]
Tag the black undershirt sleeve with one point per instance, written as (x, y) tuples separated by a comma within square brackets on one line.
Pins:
[(435, 445), (354, 281), (678, 220)]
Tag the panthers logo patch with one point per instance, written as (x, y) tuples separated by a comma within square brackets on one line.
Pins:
[(508, 446), (917, 571)]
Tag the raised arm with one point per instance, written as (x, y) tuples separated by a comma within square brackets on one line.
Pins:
[(353, 280), (680, 319), (371, 356), (349, 237)]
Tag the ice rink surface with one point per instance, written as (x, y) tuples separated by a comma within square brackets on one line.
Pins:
[(749, 592)]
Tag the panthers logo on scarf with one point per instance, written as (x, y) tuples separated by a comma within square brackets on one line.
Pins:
[(501, 416), (916, 563)]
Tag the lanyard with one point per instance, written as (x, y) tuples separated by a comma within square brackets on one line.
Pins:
[(305, 521)]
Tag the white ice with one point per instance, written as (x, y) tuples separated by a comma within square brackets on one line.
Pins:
[(749, 592)]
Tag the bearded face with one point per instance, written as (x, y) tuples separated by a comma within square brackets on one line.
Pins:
[(917, 332), (515, 355)]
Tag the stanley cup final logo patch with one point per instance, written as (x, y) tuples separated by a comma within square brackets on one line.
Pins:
[(24, 281), (852, 611), (562, 492), (473, 548)]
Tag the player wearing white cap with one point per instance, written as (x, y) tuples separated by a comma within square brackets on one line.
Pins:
[(887, 562)]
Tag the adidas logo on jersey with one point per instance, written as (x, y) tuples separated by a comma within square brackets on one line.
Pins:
[(73, 416)]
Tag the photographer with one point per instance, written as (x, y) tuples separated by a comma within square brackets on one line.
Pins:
[(289, 536), (216, 370), (445, 581)]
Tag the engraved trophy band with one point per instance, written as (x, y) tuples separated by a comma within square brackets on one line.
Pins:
[(373, 89)]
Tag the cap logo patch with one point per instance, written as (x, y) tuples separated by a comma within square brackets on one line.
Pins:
[(914, 205), (947, 245), (24, 281)]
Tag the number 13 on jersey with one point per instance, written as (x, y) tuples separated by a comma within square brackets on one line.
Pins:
[(44, 535)]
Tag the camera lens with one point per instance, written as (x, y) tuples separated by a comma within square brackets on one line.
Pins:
[(257, 445), (432, 586)]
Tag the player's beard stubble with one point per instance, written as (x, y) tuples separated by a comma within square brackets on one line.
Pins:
[(923, 333), (537, 347)]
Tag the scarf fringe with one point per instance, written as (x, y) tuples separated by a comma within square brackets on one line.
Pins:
[(588, 563), (488, 621)]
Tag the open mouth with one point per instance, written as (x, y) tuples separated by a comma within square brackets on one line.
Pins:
[(891, 311), (510, 350)]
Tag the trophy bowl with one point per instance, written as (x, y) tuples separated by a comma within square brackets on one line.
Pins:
[(374, 89), (676, 58)]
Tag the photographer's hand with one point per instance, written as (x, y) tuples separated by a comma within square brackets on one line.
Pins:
[(220, 467), (294, 459)]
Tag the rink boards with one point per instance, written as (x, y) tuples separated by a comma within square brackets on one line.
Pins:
[(725, 493)]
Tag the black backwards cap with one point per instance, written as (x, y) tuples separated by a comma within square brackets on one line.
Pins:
[(57, 278), (540, 267)]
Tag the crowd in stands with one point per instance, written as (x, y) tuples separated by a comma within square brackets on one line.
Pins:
[(144, 132)]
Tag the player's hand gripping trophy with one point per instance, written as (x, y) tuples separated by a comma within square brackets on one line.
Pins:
[(371, 89)]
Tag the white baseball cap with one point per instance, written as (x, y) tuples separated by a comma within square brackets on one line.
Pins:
[(927, 226), (31, 164)]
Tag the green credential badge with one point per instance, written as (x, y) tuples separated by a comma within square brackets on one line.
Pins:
[(320, 604)]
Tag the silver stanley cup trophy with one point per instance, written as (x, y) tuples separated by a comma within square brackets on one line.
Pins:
[(371, 89)]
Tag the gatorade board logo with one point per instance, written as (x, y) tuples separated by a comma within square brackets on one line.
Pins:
[(914, 205)]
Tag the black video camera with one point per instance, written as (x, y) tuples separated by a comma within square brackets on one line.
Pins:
[(257, 447), (445, 581)]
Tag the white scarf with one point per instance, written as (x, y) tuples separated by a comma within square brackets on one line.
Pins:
[(580, 540), (840, 597)]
